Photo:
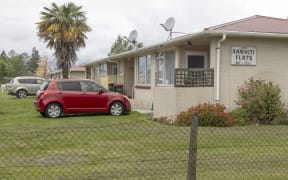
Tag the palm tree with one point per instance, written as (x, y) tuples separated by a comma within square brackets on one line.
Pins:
[(63, 28)]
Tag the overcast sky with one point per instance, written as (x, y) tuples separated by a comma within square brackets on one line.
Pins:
[(108, 18)]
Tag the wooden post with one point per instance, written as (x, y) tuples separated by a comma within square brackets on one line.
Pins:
[(191, 174)]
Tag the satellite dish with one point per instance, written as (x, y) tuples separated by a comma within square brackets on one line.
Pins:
[(132, 36), (168, 26)]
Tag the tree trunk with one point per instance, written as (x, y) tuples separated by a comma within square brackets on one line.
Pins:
[(65, 70)]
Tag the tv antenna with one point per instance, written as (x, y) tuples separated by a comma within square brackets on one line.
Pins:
[(132, 38), (168, 26)]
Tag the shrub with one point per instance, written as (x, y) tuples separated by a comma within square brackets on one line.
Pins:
[(261, 100), (240, 116), (208, 115)]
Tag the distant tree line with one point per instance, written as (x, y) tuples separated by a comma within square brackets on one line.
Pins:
[(13, 64)]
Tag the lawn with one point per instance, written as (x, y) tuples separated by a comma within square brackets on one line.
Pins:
[(131, 147)]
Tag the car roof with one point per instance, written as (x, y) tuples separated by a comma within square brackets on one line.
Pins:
[(23, 77), (72, 79)]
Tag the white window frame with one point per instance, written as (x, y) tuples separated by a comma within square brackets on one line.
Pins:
[(161, 55), (196, 53), (145, 84)]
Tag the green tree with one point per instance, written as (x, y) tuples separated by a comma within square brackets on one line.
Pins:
[(16, 64), (3, 69), (33, 61), (63, 28), (3, 65), (122, 45), (3, 56)]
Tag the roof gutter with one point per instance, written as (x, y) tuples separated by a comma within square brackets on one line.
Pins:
[(218, 48)]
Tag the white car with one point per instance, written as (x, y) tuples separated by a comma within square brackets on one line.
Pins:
[(24, 86)]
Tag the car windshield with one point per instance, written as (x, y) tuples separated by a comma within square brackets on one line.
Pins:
[(44, 86)]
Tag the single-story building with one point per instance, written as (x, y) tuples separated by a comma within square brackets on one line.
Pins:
[(206, 66), (74, 72)]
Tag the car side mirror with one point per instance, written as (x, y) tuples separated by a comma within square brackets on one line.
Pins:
[(100, 91)]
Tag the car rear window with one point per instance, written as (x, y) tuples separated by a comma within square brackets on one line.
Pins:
[(12, 80), (45, 85)]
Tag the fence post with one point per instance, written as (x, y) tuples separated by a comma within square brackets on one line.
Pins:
[(191, 174)]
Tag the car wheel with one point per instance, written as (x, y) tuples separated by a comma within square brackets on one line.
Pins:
[(116, 109), (21, 93), (53, 110)]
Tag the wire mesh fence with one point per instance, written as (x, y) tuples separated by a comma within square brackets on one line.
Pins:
[(144, 150), (114, 151), (248, 152)]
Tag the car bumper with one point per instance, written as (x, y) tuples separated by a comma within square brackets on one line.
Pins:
[(128, 106), (37, 107)]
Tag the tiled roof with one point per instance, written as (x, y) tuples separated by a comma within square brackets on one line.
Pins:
[(255, 23)]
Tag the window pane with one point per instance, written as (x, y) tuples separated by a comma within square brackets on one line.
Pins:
[(148, 69), (141, 69), (169, 67), (195, 61), (161, 71), (103, 70), (114, 69), (144, 69), (96, 72), (71, 86), (89, 86)]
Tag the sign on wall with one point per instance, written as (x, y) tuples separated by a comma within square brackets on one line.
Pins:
[(245, 56)]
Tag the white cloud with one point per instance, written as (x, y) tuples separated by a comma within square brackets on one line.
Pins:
[(108, 18)]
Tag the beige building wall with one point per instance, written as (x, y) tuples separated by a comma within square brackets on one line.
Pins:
[(77, 74), (143, 98), (170, 101), (271, 65), (165, 102)]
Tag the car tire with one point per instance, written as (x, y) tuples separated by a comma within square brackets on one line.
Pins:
[(21, 93), (116, 109), (53, 110)]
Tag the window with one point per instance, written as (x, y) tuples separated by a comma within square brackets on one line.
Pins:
[(166, 66), (45, 85), (89, 86), (196, 60), (96, 72), (103, 70), (40, 81), (69, 86), (114, 69), (27, 81), (144, 69)]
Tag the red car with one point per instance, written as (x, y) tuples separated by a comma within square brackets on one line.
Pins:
[(71, 96)]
